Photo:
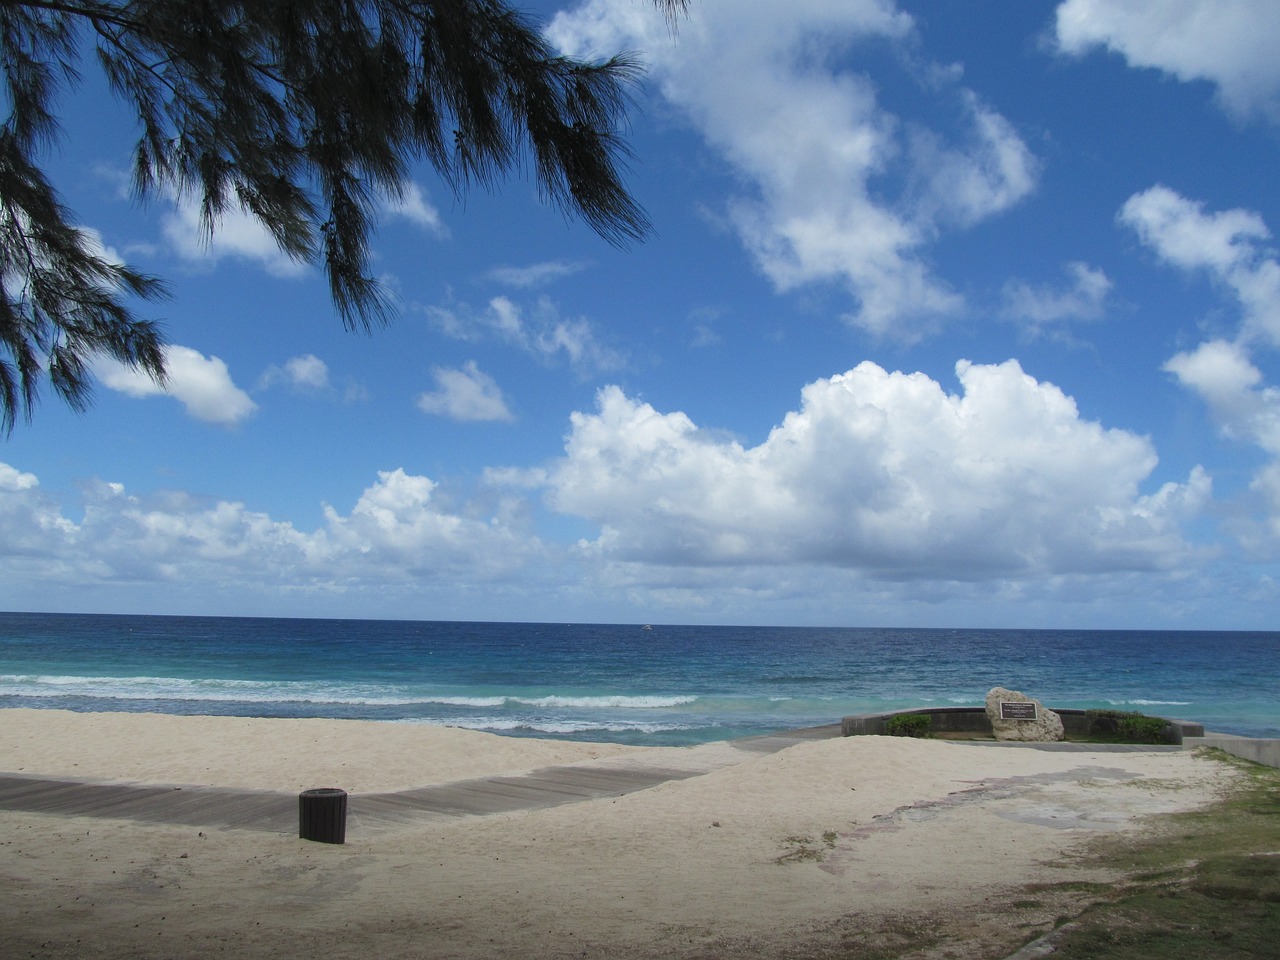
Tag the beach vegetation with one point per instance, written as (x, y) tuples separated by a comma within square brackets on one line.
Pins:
[(805, 848), (1125, 727), (303, 114), (908, 725), (1206, 885)]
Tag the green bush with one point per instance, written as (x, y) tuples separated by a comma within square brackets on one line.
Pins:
[(1137, 728), (908, 725), (1126, 727), (1103, 723)]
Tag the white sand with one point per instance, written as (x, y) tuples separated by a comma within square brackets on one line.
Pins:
[(857, 840), (290, 755)]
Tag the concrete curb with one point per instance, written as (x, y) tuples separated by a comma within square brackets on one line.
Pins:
[(1246, 748)]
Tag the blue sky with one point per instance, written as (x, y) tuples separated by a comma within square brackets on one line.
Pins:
[(955, 315)]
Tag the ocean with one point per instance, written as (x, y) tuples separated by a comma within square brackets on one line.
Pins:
[(628, 683)]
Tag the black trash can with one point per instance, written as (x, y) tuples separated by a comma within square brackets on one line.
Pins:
[(322, 815)]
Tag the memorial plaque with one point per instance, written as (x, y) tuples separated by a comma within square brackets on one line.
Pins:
[(1017, 710)]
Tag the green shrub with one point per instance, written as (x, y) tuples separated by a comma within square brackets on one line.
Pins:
[(1126, 727), (1103, 723), (908, 725), (1137, 728)]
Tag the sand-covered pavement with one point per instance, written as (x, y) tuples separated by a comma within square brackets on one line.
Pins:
[(915, 844)]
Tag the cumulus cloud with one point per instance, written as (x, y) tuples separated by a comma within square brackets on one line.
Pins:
[(1041, 307), (1223, 375), (203, 385), (770, 93), (1229, 43), (468, 394), (540, 331), (237, 235), (1230, 246), (396, 533), (881, 472)]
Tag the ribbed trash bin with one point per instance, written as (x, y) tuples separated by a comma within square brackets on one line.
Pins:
[(322, 815)]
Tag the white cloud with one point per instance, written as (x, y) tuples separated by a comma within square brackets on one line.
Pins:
[(307, 370), (536, 274), (541, 331), (704, 335), (397, 527), (1219, 371), (12, 480), (1247, 410), (767, 89), (1043, 306), (30, 524), (303, 372), (1230, 246), (238, 235), (412, 205), (1222, 374), (468, 394), (396, 533), (203, 385), (1230, 43), (964, 186), (98, 247), (884, 473), (16, 275)]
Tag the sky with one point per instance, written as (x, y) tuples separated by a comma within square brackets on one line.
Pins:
[(954, 315)]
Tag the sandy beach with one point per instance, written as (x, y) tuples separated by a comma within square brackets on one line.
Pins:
[(827, 843)]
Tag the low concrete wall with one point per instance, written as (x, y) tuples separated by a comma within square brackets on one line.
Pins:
[(1246, 748), (974, 720), (942, 720)]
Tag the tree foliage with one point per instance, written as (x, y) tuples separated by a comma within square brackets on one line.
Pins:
[(301, 112)]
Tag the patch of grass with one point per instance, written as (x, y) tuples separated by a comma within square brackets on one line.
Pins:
[(805, 848), (1207, 887), (1087, 887)]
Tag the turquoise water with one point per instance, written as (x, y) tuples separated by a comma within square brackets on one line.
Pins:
[(624, 683)]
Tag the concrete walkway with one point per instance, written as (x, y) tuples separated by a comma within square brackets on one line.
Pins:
[(1075, 746), (371, 813)]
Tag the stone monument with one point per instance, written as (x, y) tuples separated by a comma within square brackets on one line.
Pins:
[(1015, 716)]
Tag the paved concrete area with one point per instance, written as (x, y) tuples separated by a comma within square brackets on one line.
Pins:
[(1069, 746)]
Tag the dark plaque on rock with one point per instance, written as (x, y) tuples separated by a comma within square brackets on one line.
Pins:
[(1017, 710)]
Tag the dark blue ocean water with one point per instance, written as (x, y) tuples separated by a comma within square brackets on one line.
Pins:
[(625, 683)]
